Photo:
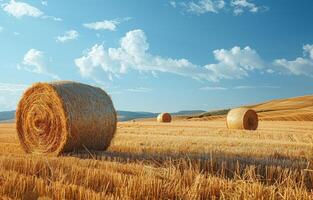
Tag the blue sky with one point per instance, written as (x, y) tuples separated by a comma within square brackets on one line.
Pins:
[(162, 55)]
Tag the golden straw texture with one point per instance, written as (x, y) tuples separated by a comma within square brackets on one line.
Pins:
[(242, 118), (65, 116), (164, 117)]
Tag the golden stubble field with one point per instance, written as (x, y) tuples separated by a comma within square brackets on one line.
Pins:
[(179, 160)]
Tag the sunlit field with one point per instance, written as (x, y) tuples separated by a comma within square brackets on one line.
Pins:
[(179, 160), (156, 100)]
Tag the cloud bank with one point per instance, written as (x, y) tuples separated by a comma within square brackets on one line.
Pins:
[(234, 63), (133, 54)]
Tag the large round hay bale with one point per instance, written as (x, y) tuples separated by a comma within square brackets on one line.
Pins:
[(242, 118), (65, 116), (164, 117)]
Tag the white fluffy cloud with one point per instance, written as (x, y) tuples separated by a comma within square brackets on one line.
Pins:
[(241, 5), (34, 61), (235, 63), (20, 9), (204, 6), (110, 25), (133, 54), (199, 7), (68, 35), (299, 66)]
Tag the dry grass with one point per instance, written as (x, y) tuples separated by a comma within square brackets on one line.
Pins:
[(181, 160)]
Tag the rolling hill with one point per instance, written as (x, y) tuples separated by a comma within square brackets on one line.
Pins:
[(288, 109), (291, 109), (7, 116)]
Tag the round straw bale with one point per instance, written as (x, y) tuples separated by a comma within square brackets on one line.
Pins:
[(242, 118), (164, 117), (65, 116)]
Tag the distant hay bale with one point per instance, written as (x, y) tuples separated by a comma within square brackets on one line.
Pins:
[(65, 116), (242, 118), (164, 117)]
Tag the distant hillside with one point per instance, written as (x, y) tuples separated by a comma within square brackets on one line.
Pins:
[(7, 115), (122, 115), (289, 109), (127, 115)]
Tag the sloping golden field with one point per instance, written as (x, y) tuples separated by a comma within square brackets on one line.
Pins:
[(290, 109), (185, 159)]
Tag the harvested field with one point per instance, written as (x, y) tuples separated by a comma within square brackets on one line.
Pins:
[(180, 160)]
